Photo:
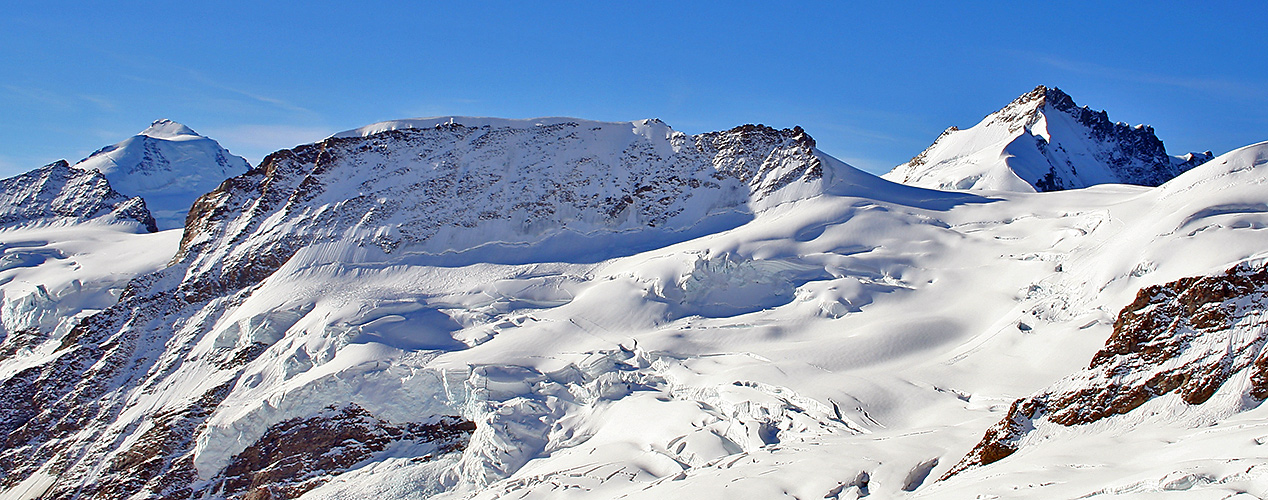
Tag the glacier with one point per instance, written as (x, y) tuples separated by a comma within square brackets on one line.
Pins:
[(563, 308)]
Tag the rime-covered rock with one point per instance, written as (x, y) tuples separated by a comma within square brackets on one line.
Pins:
[(57, 194)]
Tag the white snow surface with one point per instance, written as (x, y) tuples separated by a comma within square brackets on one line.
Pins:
[(849, 338), (167, 164), (51, 277)]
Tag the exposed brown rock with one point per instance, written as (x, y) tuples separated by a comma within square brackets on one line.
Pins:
[(302, 453), (161, 461), (1187, 337), (1000, 440)]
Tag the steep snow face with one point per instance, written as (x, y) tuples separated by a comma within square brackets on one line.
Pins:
[(1042, 141), (57, 194), (169, 165)]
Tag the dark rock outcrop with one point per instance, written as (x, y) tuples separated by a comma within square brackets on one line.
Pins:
[(300, 454)]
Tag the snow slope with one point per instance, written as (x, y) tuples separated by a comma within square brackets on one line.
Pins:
[(1042, 141), (51, 277), (169, 165), (556, 308)]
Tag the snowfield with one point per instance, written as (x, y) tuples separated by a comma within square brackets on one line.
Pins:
[(623, 311)]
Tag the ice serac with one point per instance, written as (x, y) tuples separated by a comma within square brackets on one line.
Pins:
[(1043, 141), (169, 165), (57, 194), (1176, 346)]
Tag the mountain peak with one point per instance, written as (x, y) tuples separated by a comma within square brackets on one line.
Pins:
[(1052, 95), (1026, 109), (1042, 141), (168, 129), (169, 165), (57, 194)]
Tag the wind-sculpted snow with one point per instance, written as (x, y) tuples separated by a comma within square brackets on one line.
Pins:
[(1042, 141), (618, 309), (56, 194), (169, 165)]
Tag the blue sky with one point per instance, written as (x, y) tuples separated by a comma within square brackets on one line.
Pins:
[(873, 84)]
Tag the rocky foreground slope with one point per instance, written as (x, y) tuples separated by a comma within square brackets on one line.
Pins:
[(1179, 343)]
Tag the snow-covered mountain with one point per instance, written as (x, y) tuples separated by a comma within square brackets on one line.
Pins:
[(471, 189), (558, 308), (1043, 141), (169, 165), (57, 194)]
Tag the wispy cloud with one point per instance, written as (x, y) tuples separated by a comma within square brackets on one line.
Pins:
[(256, 141), (273, 101), (195, 78), (40, 95), (101, 102), (1221, 86), (54, 99)]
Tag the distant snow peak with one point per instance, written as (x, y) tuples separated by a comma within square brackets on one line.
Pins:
[(1043, 141), (169, 165)]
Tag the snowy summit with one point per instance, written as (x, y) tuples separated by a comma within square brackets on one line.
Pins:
[(167, 164), (1043, 141)]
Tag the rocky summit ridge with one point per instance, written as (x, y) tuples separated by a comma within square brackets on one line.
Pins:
[(57, 194)]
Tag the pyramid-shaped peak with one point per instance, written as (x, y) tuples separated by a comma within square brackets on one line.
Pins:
[(1055, 97), (1043, 141), (167, 129), (169, 165)]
